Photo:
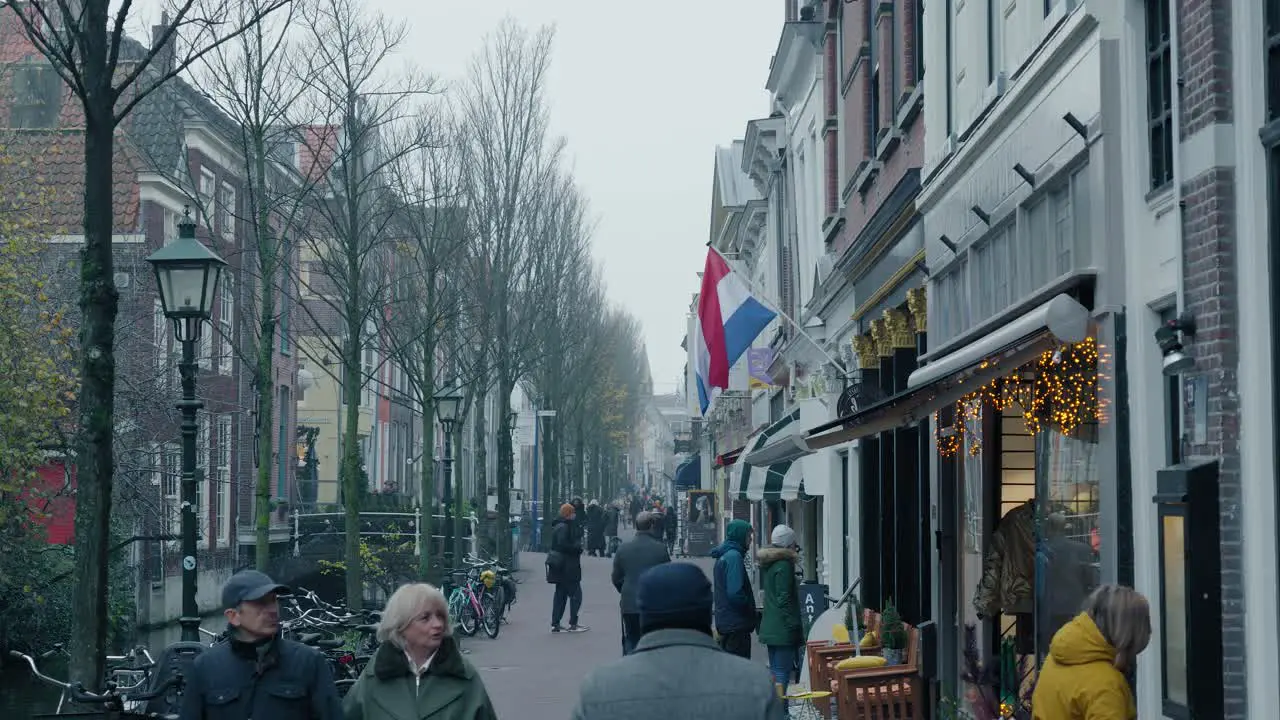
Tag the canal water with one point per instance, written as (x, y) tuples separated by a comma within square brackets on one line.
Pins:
[(23, 697)]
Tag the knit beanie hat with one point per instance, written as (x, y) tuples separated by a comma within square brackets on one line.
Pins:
[(674, 595), (566, 510), (783, 537)]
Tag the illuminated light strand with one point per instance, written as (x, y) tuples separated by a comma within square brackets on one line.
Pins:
[(1062, 394)]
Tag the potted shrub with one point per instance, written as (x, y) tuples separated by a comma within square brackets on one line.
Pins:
[(893, 636)]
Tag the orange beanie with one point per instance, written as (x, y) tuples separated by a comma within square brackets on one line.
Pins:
[(566, 510)]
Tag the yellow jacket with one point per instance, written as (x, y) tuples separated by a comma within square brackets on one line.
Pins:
[(1079, 680)]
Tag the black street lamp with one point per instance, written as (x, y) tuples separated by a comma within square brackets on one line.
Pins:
[(187, 273), (448, 401)]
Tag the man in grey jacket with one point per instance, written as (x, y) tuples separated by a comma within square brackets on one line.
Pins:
[(636, 555), (677, 671)]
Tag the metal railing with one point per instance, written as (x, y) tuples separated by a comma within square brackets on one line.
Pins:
[(415, 518)]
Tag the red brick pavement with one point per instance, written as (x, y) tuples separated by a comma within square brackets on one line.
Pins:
[(533, 674)]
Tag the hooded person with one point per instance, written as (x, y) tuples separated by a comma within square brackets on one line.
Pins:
[(735, 602), (595, 528), (781, 630), (564, 569), (677, 672)]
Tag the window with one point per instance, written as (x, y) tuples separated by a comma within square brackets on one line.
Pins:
[(226, 324), (283, 443), (170, 227), (161, 335), (919, 38), (208, 181), (221, 479), (368, 366), (227, 211), (1159, 93), (37, 96), (171, 468), (204, 431), (873, 102), (205, 358), (994, 21), (1273, 59)]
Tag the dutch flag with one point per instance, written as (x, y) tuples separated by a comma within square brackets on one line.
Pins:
[(729, 319)]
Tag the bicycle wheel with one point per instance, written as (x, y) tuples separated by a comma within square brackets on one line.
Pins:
[(492, 619), (468, 623)]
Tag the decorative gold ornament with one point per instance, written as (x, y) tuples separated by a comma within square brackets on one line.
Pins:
[(865, 348), (898, 324), (918, 305), (880, 333)]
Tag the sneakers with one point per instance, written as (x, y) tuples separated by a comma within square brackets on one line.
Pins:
[(555, 628), (578, 628)]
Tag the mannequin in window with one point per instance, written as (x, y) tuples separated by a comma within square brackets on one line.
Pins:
[(1008, 573)]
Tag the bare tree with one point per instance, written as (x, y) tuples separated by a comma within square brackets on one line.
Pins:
[(508, 154), (259, 81), (364, 104), (432, 227), (109, 74)]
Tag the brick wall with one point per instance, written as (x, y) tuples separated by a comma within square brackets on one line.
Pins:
[(896, 48), (1204, 63), (1210, 295)]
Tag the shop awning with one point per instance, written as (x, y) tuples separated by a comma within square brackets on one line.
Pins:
[(946, 380), (942, 382), (729, 458), (771, 481), (689, 474)]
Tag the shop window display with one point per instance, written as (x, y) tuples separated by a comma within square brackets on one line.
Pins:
[(1030, 522)]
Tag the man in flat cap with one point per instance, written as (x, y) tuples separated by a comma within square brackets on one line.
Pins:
[(256, 673)]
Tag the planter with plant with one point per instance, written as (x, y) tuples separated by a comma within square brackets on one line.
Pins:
[(893, 635)]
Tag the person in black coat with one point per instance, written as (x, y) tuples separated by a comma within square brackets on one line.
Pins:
[(595, 529), (636, 555), (564, 569), (611, 514)]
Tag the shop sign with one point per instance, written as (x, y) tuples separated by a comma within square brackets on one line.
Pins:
[(813, 602)]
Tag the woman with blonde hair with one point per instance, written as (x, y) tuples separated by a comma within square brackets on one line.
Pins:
[(418, 671), (1090, 659)]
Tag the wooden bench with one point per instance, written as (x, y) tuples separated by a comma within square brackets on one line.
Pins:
[(892, 692)]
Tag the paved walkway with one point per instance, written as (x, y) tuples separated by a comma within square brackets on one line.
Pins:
[(533, 674)]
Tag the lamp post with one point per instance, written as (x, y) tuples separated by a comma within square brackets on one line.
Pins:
[(448, 401), (187, 273)]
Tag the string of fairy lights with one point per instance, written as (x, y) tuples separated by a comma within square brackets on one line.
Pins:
[(1058, 390)]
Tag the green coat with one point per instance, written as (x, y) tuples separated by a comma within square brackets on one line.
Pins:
[(450, 690), (780, 623)]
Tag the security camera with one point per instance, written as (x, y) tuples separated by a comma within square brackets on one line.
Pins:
[(1169, 338)]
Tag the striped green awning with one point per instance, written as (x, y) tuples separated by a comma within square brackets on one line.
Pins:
[(779, 481)]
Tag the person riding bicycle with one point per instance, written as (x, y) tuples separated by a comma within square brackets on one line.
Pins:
[(258, 674)]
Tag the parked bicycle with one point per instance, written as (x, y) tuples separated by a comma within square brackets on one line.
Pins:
[(471, 605), (113, 702)]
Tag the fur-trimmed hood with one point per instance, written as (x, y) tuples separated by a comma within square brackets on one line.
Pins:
[(770, 555)]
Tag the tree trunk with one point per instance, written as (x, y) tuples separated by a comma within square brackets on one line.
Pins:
[(427, 460), (480, 468), (95, 463), (506, 469), (352, 479), (263, 375)]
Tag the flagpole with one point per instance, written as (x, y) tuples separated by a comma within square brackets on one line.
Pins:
[(774, 307)]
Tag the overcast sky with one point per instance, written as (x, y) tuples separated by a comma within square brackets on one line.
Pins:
[(643, 92)]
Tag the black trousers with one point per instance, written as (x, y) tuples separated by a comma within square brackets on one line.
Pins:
[(737, 642), (630, 632), (570, 593)]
